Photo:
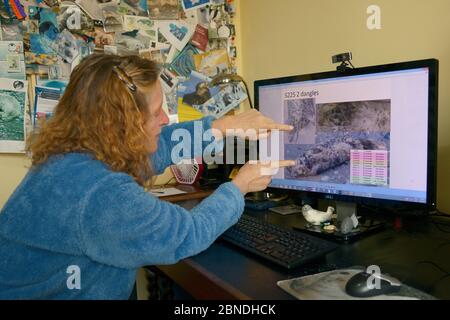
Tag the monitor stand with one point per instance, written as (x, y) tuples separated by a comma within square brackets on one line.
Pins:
[(345, 209)]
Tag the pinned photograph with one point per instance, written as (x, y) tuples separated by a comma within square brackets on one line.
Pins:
[(45, 101), (65, 46), (10, 47), (43, 42), (212, 63), (92, 8), (195, 90), (162, 41), (71, 17), (40, 44), (163, 9), (224, 101), (102, 38), (40, 59), (48, 22), (60, 85), (131, 42), (144, 25), (168, 80), (32, 26), (170, 54), (12, 60), (194, 4), (133, 7), (217, 43), (191, 16), (200, 37), (203, 17), (112, 21), (58, 74), (178, 33), (159, 56), (13, 97), (172, 106), (155, 53), (12, 29), (183, 64), (110, 49), (233, 52)]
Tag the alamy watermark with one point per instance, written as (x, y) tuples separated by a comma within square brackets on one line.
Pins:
[(216, 147), (374, 19), (74, 279), (374, 280)]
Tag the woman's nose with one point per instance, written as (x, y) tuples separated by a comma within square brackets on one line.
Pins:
[(164, 119)]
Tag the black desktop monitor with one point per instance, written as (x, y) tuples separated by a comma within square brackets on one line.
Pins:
[(366, 135)]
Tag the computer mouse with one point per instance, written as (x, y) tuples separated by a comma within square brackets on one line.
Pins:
[(360, 285)]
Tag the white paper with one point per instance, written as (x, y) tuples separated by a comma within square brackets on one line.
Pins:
[(164, 192)]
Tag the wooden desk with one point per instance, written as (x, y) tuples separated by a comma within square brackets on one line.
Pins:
[(416, 254)]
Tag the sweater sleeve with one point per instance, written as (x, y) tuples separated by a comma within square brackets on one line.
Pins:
[(185, 140), (124, 226)]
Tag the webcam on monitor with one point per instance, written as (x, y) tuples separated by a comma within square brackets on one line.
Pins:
[(344, 59)]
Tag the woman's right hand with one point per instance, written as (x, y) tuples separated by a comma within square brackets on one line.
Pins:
[(256, 176)]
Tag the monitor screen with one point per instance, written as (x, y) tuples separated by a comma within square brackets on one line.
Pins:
[(366, 133)]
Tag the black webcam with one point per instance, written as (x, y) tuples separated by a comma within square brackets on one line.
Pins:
[(347, 56), (344, 59)]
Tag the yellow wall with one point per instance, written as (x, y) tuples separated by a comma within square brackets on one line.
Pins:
[(277, 38), (12, 169), (289, 37)]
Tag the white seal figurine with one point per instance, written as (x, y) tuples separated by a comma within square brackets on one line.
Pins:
[(316, 217)]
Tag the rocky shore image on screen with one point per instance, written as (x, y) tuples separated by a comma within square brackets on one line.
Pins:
[(338, 128)]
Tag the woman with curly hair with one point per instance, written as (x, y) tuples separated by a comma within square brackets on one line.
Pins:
[(83, 208)]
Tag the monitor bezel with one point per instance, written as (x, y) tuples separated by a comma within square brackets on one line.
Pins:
[(433, 82)]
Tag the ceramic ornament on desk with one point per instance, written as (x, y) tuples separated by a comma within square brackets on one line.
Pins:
[(316, 217)]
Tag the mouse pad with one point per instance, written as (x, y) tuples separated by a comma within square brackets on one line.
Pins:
[(331, 286)]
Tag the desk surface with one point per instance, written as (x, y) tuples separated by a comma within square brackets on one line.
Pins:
[(418, 254)]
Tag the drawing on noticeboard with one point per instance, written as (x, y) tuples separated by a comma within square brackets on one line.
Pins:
[(178, 33), (13, 94)]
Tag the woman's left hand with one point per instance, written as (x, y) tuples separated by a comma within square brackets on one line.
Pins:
[(241, 125)]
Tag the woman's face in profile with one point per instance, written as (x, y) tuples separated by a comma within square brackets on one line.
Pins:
[(157, 118)]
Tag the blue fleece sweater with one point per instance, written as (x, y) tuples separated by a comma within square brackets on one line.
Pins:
[(73, 216)]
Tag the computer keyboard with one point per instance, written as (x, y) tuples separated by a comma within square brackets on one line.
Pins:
[(282, 246)]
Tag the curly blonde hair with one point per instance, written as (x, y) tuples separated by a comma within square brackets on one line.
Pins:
[(99, 114)]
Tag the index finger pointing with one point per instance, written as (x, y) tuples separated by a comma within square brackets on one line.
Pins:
[(286, 163), (282, 163), (280, 126)]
